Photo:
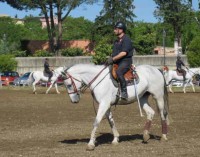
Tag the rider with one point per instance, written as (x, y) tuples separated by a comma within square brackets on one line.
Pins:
[(47, 69), (121, 55), (179, 64)]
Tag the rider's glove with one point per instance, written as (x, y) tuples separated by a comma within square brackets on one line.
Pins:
[(109, 61)]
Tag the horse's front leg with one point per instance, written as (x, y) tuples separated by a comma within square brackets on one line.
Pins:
[(56, 86), (192, 86), (113, 127), (184, 85), (103, 108), (49, 87)]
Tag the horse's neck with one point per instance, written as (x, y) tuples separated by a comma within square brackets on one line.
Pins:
[(58, 70), (88, 72), (194, 70)]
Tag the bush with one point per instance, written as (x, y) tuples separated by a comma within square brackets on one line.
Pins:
[(18, 53), (102, 51), (72, 52), (7, 63), (193, 53), (42, 53)]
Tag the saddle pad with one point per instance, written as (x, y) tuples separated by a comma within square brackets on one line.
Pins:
[(128, 75), (178, 73)]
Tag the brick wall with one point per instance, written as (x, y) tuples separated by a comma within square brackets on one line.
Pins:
[(33, 45)]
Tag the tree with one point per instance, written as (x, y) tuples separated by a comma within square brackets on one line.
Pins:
[(112, 12), (144, 38), (176, 13), (193, 53), (47, 7), (77, 28), (33, 29), (10, 35), (7, 63)]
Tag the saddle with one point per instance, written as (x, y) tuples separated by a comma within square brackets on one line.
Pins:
[(45, 73), (129, 76), (180, 73)]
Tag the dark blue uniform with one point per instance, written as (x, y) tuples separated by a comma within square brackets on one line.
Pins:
[(179, 64), (124, 64), (47, 70)]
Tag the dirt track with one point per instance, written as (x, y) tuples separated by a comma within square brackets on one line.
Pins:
[(50, 125)]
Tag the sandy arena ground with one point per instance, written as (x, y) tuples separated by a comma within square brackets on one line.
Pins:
[(51, 126)]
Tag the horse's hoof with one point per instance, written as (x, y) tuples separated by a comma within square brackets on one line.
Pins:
[(90, 147), (146, 136), (58, 93), (164, 138), (115, 142)]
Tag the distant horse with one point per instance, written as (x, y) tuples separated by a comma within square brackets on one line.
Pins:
[(37, 76), (98, 79), (172, 75)]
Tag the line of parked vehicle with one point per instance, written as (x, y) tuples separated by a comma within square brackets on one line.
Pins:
[(13, 78)]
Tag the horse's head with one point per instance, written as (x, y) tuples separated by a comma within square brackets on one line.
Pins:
[(73, 85)]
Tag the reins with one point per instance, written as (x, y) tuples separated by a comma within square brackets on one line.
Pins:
[(90, 83), (84, 86)]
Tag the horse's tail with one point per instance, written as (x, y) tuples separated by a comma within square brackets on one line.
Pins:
[(166, 101), (30, 78)]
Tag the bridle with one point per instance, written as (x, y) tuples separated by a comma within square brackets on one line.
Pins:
[(76, 91), (84, 86)]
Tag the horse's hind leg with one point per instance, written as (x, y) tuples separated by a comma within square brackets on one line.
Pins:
[(164, 118), (170, 88), (150, 114), (112, 125), (34, 89)]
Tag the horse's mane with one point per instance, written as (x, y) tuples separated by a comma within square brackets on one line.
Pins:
[(87, 66)]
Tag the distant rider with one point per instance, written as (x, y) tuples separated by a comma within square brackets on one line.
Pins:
[(47, 69), (179, 64)]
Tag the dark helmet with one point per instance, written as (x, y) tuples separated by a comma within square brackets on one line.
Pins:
[(120, 25), (178, 57), (46, 59)]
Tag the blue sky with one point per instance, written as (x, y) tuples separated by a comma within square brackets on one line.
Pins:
[(144, 11)]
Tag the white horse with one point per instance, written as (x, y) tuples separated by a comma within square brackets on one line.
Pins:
[(172, 75), (37, 76), (104, 92)]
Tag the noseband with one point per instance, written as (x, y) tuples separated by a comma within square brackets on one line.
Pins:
[(76, 91)]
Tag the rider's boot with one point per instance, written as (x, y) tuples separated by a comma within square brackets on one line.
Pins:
[(184, 78), (49, 80), (124, 94)]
